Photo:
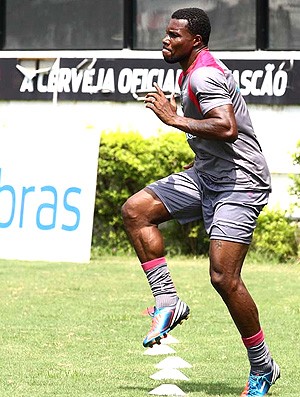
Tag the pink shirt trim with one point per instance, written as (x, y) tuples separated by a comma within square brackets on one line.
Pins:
[(204, 58)]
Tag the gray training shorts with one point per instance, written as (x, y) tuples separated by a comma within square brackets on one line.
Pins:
[(227, 216)]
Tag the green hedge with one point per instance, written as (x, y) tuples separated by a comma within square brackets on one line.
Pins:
[(275, 235), (296, 177), (128, 162)]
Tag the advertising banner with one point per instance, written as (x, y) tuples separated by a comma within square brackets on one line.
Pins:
[(47, 190), (262, 81)]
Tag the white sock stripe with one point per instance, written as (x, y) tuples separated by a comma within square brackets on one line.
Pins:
[(276, 372), (180, 308), (260, 346)]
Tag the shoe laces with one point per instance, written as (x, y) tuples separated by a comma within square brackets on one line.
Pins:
[(151, 310), (253, 384), (155, 321)]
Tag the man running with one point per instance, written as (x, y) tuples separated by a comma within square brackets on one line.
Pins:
[(227, 186)]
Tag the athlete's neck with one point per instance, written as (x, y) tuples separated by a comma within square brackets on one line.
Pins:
[(186, 65)]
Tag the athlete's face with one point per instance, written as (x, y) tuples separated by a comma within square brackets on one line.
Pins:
[(179, 43)]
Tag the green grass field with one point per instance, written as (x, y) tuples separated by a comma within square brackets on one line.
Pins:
[(77, 330)]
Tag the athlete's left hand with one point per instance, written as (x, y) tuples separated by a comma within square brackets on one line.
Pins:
[(164, 109)]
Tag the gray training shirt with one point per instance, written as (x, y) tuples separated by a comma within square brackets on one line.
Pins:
[(222, 165)]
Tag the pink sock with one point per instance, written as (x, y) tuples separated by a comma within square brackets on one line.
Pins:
[(254, 340), (160, 282), (153, 263), (258, 354)]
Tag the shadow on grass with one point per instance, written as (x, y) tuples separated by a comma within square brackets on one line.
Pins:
[(211, 389)]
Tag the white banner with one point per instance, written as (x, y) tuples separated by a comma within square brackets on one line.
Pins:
[(48, 172)]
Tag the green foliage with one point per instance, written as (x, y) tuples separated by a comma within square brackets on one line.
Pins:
[(275, 235), (188, 239), (127, 163), (296, 177)]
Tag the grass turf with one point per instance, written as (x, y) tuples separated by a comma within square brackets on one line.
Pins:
[(77, 330)]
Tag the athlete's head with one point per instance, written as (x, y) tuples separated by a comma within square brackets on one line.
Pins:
[(197, 22)]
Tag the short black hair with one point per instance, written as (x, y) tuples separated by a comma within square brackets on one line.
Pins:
[(198, 21)]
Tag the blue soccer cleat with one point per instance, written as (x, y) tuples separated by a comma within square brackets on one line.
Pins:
[(164, 320), (259, 385)]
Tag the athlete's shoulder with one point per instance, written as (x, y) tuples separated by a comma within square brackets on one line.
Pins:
[(207, 75), (205, 59)]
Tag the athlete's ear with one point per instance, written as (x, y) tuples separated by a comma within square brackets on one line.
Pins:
[(198, 40)]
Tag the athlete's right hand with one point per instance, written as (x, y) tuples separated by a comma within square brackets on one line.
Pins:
[(164, 109)]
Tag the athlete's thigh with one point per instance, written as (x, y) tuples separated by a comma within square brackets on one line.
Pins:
[(227, 257), (181, 194), (145, 207)]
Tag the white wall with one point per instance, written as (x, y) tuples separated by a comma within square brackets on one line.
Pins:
[(277, 129)]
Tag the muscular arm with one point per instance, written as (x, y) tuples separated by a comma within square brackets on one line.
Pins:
[(219, 123)]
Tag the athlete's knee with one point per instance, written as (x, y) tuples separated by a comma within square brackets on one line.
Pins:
[(225, 284), (130, 210), (137, 209)]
